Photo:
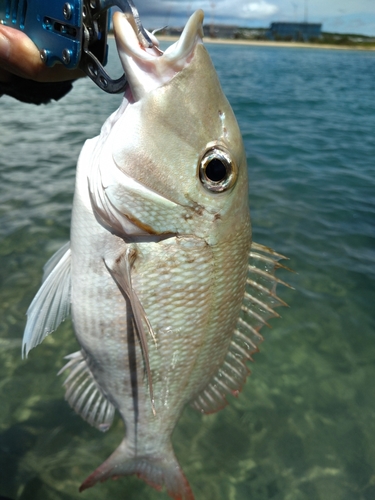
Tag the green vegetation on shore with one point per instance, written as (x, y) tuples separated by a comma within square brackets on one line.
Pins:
[(344, 39)]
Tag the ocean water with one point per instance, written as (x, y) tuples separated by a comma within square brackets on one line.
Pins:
[(303, 428)]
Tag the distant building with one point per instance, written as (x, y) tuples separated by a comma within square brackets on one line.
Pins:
[(219, 31), (209, 31), (298, 32)]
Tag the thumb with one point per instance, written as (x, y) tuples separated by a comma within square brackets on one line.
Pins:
[(20, 56)]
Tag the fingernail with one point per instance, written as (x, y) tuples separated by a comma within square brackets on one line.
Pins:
[(4, 47)]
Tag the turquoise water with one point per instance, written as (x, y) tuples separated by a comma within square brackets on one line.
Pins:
[(303, 427)]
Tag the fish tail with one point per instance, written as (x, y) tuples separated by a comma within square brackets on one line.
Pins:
[(158, 471)]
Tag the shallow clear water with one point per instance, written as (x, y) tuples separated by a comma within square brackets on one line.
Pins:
[(303, 427)]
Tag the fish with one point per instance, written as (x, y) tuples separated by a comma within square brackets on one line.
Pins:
[(166, 289)]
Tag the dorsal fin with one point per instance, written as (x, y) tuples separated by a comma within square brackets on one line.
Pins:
[(258, 306)]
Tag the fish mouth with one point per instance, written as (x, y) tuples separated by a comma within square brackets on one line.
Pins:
[(149, 68)]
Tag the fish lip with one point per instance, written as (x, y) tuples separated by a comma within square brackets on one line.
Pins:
[(191, 34), (149, 68)]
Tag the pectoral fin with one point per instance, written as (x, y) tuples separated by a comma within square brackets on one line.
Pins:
[(51, 305), (120, 271)]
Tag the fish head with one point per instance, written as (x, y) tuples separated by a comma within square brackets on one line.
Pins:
[(178, 136)]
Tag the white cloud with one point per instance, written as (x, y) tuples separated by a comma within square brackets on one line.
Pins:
[(354, 15), (258, 9)]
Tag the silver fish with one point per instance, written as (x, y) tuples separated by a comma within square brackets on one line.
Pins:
[(167, 292)]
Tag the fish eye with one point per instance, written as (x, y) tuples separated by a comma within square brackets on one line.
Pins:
[(217, 170)]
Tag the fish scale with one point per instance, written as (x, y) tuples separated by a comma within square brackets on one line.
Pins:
[(227, 311)]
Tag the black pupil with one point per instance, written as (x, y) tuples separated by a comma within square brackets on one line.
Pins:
[(215, 170)]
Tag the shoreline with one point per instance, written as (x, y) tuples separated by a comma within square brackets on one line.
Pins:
[(265, 43)]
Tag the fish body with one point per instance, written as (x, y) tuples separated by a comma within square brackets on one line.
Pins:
[(164, 304)]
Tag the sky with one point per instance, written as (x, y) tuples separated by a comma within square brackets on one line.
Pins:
[(340, 16)]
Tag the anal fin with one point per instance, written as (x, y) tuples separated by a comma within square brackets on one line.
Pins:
[(84, 395), (258, 306)]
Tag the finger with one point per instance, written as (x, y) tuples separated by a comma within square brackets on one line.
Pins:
[(20, 56)]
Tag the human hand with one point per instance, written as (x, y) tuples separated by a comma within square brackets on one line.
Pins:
[(20, 56)]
